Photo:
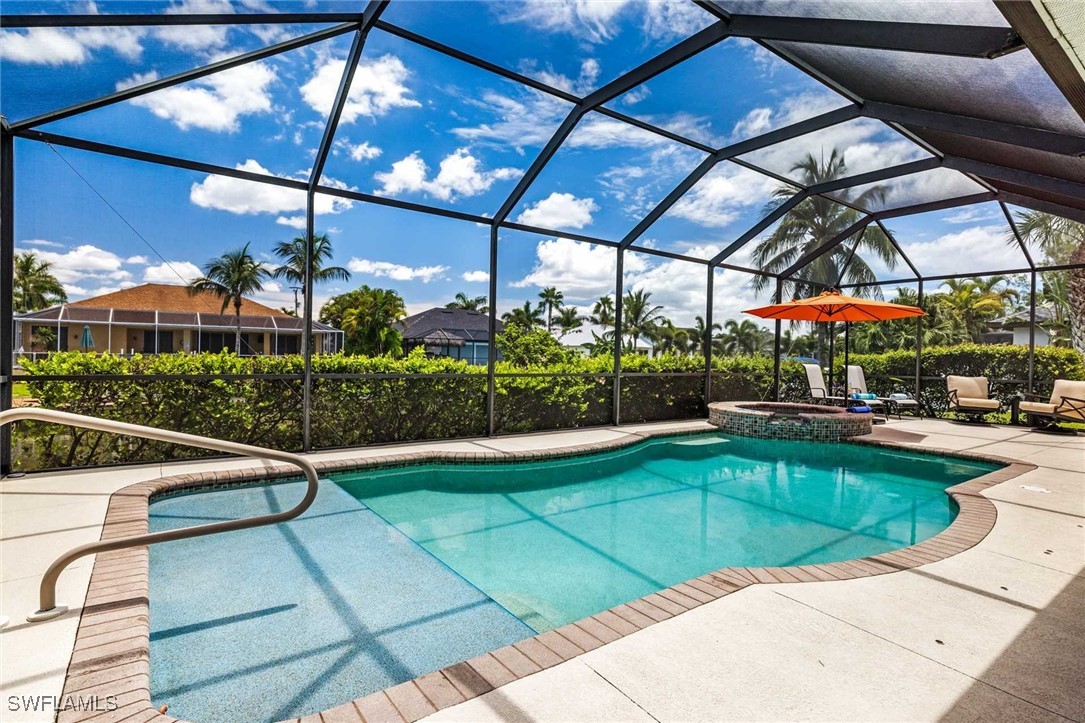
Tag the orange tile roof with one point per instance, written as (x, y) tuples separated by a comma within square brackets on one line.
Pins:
[(169, 297)]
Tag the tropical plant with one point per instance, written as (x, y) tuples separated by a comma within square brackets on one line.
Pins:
[(231, 277), (699, 334), (568, 320), (293, 267), (975, 306), (526, 316), (552, 300), (671, 339), (744, 338), (370, 323), (469, 303), (639, 316), (602, 314), (1062, 242), (34, 286)]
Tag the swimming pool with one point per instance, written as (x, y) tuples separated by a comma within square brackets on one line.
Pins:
[(395, 573)]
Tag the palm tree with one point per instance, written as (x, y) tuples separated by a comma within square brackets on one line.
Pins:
[(699, 334), (671, 339), (811, 225), (525, 316), (34, 286), (974, 306), (293, 267), (639, 316), (1062, 241), (745, 338), (602, 314), (370, 322), (463, 301), (231, 277), (568, 319), (551, 299)]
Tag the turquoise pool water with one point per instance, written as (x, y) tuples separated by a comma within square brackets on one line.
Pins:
[(556, 541), (391, 575)]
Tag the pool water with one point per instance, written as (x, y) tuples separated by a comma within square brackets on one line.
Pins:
[(554, 542), (394, 574)]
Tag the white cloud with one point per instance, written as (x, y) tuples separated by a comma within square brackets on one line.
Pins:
[(378, 87), (364, 151), (635, 96), (215, 103), (583, 271), (196, 37), (597, 22), (137, 260), (559, 210), (43, 242), (527, 119), (964, 251), (476, 277), (56, 46), (459, 176), (249, 198), (396, 272), (722, 194), (587, 19), (175, 272), (84, 266)]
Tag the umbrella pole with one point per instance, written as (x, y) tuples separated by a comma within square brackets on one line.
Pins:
[(832, 345), (847, 349)]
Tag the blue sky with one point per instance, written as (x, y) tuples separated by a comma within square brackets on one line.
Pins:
[(426, 128)]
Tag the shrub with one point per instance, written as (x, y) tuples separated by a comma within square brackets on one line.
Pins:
[(367, 400)]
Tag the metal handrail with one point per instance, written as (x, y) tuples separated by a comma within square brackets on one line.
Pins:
[(48, 608)]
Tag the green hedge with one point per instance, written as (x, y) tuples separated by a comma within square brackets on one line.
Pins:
[(415, 398)]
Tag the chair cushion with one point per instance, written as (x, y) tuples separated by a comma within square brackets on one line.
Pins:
[(1037, 407), (977, 403), (902, 401), (1069, 412), (971, 387), (1067, 388)]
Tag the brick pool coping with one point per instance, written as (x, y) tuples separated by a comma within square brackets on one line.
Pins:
[(111, 655)]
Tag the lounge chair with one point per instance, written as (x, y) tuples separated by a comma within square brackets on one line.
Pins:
[(1066, 404), (857, 383), (971, 397), (819, 392)]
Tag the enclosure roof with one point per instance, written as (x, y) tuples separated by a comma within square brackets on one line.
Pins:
[(463, 324), (988, 94)]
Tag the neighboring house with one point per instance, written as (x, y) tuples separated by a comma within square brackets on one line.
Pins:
[(1013, 329), (162, 319), (455, 333)]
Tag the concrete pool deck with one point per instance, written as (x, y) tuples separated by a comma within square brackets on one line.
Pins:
[(995, 631)]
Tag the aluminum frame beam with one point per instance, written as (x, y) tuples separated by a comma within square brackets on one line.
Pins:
[(183, 77), (1017, 135), (1049, 184), (937, 39)]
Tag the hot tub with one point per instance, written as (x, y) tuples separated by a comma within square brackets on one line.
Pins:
[(785, 420)]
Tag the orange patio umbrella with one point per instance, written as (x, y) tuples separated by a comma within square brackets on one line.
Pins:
[(831, 306), (834, 306)]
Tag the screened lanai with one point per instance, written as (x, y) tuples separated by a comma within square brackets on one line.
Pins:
[(945, 112)]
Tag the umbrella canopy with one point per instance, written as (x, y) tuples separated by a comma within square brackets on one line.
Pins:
[(87, 342), (834, 306)]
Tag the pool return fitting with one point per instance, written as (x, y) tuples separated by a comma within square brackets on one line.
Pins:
[(47, 607)]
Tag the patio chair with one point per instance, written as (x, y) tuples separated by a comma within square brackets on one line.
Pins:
[(1066, 404), (970, 397), (819, 392), (857, 383)]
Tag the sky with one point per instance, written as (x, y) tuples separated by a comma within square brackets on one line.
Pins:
[(426, 128)]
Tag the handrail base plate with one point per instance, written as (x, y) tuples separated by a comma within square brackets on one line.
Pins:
[(43, 615)]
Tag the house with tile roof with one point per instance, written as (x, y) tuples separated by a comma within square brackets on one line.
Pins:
[(163, 319), (456, 333)]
